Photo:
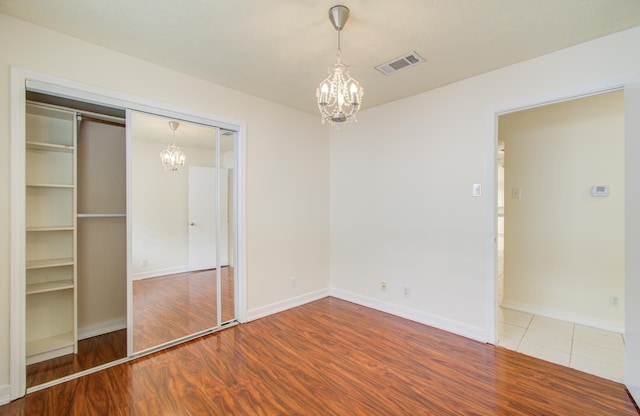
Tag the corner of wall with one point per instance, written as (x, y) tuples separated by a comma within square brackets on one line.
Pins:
[(458, 328), (276, 307)]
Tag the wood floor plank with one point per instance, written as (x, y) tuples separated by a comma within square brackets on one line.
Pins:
[(165, 308), (331, 357), (92, 352), (169, 307)]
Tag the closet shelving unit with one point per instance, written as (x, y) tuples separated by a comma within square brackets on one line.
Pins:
[(51, 232)]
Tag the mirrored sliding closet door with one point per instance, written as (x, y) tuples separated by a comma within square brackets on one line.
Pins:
[(130, 233), (182, 229)]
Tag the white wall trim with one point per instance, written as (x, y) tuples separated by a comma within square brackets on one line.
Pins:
[(160, 272), (17, 364), (632, 239), (48, 84), (102, 328), (240, 176), (568, 94), (576, 318), (5, 394), (129, 203), (267, 310), (491, 293), (458, 328)]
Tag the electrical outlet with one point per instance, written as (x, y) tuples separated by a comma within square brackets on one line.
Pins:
[(406, 291), (383, 286), (145, 263), (614, 301), (293, 283)]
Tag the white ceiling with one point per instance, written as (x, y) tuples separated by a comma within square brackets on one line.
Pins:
[(155, 129), (279, 49)]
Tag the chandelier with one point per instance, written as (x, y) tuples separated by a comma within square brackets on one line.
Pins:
[(172, 157), (339, 96)]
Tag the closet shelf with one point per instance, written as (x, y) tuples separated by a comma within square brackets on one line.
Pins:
[(51, 228), (44, 287), (102, 215), (53, 343), (34, 145), (51, 233), (41, 264), (50, 185)]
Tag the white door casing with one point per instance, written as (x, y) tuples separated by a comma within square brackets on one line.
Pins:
[(632, 238)]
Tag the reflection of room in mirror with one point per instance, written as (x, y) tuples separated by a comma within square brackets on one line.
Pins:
[(170, 307), (181, 233)]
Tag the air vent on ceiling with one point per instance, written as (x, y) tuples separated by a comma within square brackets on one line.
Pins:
[(400, 63)]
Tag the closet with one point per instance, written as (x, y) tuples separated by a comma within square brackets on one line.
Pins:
[(75, 196), (84, 170)]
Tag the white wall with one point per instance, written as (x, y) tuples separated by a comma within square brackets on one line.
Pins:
[(287, 214), (160, 209), (564, 249), (401, 178)]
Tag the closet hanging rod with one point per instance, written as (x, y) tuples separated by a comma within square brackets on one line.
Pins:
[(120, 121), (101, 215), (101, 118)]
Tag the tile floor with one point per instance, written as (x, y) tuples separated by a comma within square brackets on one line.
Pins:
[(587, 349)]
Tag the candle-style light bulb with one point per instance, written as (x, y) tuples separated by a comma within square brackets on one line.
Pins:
[(353, 89), (324, 92)]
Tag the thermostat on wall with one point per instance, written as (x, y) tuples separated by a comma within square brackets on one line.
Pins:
[(599, 190)]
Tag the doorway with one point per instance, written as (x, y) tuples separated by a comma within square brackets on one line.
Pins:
[(561, 270)]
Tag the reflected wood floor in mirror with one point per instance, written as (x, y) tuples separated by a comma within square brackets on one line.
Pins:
[(169, 307), (92, 352), (332, 357)]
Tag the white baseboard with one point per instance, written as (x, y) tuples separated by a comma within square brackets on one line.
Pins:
[(5, 394), (160, 272), (102, 328), (458, 328), (576, 318), (263, 311)]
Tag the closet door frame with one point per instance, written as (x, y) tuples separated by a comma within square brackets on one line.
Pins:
[(21, 80)]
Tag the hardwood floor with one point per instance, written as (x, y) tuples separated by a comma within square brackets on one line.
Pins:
[(165, 308), (332, 357), (169, 307), (92, 352)]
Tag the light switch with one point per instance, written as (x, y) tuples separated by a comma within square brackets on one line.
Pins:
[(476, 190), (515, 193)]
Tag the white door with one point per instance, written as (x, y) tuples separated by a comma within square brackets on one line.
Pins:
[(632, 240), (202, 218)]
